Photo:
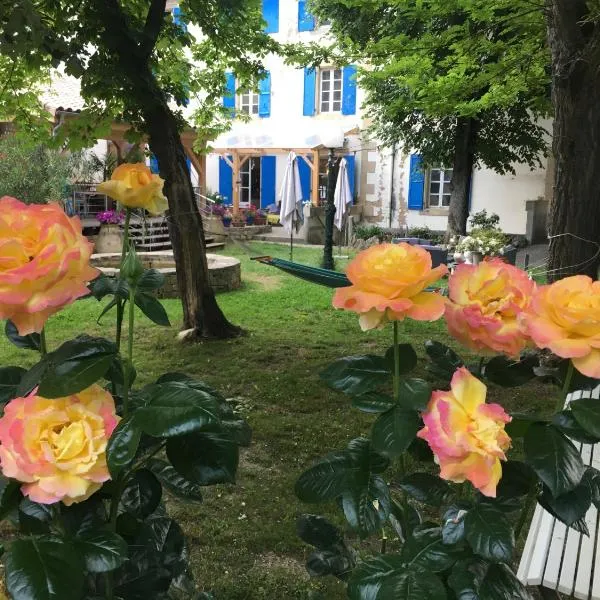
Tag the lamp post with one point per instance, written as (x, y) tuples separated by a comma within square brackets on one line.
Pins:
[(332, 169)]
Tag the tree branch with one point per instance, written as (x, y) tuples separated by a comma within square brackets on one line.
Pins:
[(154, 22)]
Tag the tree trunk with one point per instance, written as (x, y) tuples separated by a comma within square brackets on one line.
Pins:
[(575, 209), (462, 174)]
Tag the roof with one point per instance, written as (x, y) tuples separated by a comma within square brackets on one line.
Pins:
[(64, 91)]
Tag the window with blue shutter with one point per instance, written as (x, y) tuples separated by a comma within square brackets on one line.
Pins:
[(264, 96), (351, 169), (305, 177), (310, 88), (178, 20), (154, 164), (271, 15), (416, 183), (306, 21), (267, 180), (225, 180), (349, 90), (229, 97)]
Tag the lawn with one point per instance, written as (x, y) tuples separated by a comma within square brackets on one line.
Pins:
[(242, 538)]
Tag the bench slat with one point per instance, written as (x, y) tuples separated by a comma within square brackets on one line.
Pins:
[(555, 554), (541, 543)]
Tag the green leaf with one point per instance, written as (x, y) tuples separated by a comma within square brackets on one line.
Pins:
[(355, 375), (426, 549), (152, 308), (516, 481), (366, 507), (115, 373), (174, 409), (373, 402), (489, 533), (587, 413), (453, 523), (190, 382), (408, 358), (444, 361), (566, 422), (26, 342), (318, 531), (176, 483), (394, 430), (151, 279), (34, 517), (165, 536), (500, 583), (425, 488), (103, 286), (404, 519), (466, 577), (142, 493), (415, 394), (570, 507), (413, 583), (368, 576), (10, 496), (591, 478), (520, 424), (75, 366), (10, 378), (326, 480), (43, 568), (205, 457), (329, 562), (420, 450), (101, 549), (132, 269), (553, 457), (122, 446), (507, 372)]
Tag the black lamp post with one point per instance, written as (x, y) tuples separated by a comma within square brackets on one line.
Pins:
[(332, 170)]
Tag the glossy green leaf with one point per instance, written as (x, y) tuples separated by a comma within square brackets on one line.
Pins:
[(425, 548), (415, 394), (520, 424), (489, 533), (204, 457), (10, 378), (453, 523), (26, 342), (591, 478), (516, 481), (142, 494), (176, 483), (566, 422), (373, 402), (10, 496), (587, 413), (151, 279), (553, 457), (122, 446), (43, 568), (368, 576), (404, 519), (394, 431), (426, 488), (355, 375), (190, 382), (34, 517), (174, 409), (101, 549), (500, 583), (165, 536), (412, 583), (407, 355), (570, 507), (152, 308), (102, 286), (329, 562), (507, 372), (366, 507), (443, 360), (317, 531), (325, 480)]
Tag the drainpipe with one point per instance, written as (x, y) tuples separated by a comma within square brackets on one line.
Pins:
[(393, 167), (61, 122)]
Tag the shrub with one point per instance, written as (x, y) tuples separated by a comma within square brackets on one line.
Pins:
[(366, 232), (480, 220)]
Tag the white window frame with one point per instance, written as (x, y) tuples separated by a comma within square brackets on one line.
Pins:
[(436, 199), (328, 77), (248, 102)]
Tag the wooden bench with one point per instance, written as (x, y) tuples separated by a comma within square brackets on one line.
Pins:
[(560, 560)]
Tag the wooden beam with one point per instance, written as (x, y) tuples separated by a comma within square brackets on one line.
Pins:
[(315, 179), (244, 160), (308, 162), (263, 151), (226, 158), (236, 184)]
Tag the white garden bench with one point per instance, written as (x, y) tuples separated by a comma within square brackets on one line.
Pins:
[(558, 559)]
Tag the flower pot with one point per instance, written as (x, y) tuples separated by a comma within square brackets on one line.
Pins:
[(249, 220), (260, 220), (109, 240), (476, 257), (226, 221)]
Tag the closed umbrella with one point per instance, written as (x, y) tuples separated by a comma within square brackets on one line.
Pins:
[(291, 215)]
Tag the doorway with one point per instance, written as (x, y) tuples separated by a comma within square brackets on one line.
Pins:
[(250, 183)]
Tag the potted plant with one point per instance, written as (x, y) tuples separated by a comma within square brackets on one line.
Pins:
[(260, 218), (250, 215), (110, 236), (227, 217)]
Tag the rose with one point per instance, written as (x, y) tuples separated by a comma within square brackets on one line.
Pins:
[(485, 304), (565, 317), (134, 186), (43, 262), (388, 283), (467, 435), (57, 448)]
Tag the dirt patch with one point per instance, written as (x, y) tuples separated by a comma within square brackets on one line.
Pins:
[(268, 282), (270, 560)]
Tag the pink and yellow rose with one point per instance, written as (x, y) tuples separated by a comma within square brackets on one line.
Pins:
[(485, 304), (44, 262), (388, 284), (57, 448), (467, 435), (135, 186), (565, 317)]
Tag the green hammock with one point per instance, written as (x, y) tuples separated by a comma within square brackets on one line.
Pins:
[(330, 279)]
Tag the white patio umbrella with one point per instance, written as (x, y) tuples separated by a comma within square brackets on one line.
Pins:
[(342, 196), (291, 214)]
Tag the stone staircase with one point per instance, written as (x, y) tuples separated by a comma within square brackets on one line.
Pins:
[(152, 234)]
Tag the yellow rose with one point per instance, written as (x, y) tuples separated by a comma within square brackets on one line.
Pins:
[(57, 448), (135, 186)]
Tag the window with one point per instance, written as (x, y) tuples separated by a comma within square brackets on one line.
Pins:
[(249, 103), (330, 97), (439, 187)]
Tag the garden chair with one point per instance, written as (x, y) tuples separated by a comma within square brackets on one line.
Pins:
[(558, 559), (439, 255)]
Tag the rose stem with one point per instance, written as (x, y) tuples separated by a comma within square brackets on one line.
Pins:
[(567, 384), (125, 248), (481, 365), (529, 502), (43, 345)]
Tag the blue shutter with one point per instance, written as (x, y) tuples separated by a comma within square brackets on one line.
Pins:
[(349, 90), (310, 88), (306, 22), (154, 164), (178, 20), (225, 180), (188, 162), (271, 15), (229, 97), (305, 177), (351, 168), (416, 183), (264, 98), (267, 180)]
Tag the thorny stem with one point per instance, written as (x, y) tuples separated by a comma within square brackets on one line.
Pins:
[(120, 302), (565, 389), (43, 345)]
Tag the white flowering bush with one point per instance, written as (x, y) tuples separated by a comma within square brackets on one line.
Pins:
[(490, 242)]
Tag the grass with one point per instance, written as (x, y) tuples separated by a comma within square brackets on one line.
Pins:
[(242, 538)]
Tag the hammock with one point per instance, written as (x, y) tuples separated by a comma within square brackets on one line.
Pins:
[(330, 279)]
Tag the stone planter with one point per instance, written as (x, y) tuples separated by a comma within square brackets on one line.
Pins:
[(109, 240)]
